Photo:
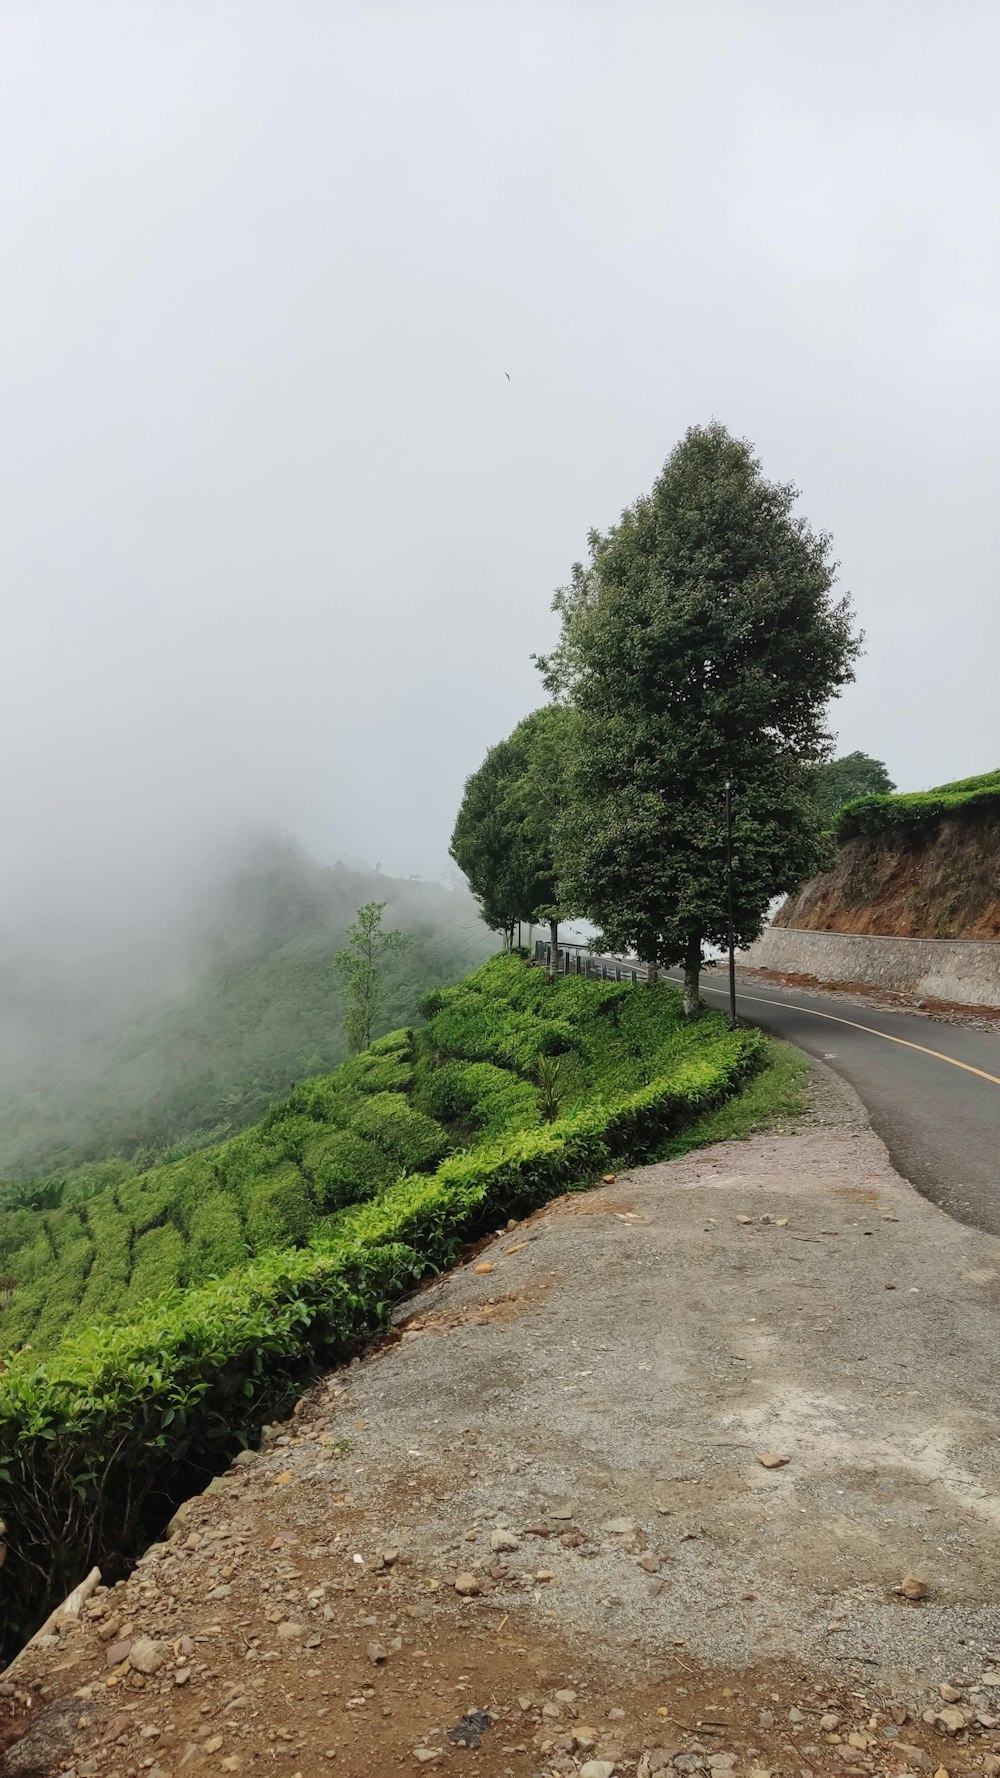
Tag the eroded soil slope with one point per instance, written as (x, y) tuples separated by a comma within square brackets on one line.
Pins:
[(942, 882)]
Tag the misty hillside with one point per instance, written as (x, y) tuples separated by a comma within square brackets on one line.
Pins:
[(193, 1033)]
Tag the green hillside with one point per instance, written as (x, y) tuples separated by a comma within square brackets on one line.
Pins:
[(222, 1026), (399, 1108), (229, 1270), (966, 798)]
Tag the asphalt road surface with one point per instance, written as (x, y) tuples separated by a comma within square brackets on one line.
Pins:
[(932, 1090)]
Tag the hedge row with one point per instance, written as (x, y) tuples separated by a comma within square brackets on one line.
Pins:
[(335, 1140), (870, 816), (87, 1436)]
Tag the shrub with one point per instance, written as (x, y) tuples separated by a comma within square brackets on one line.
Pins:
[(216, 1241), (148, 1202), (84, 1439), (157, 1257), (61, 1301), (410, 1138), (279, 1212), (320, 1099), (108, 1277), (478, 1095), (484, 1029), (972, 799), (351, 1171), (372, 1072), (392, 1042)]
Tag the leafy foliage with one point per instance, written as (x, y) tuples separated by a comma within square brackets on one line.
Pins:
[(107, 1416), (840, 781), (548, 1070), (506, 831), (701, 644), (361, 963), (969, 799)]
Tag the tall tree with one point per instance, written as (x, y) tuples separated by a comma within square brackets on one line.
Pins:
[(360, 963), (486, 838), (702, 643), (542, 797), (840, 781), (506, 833)]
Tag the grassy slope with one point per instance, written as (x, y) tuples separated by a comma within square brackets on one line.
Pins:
[(776, 1094)]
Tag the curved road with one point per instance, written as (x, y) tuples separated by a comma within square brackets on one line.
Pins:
[(932, 1090)]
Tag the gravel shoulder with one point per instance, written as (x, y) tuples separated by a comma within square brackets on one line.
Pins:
[(542, 1495), (941, 1012)]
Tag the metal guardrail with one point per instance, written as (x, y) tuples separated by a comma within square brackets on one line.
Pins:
[(576, 959)]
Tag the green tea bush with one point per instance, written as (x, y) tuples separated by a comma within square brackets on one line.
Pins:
[(74, 1263), (351, 1171), (972, 799), (410, 1138), (479, 1096), (322, 1100), (84, 1439), (394, 1042), (279, 1212), (157, 1257), (481, 1028), (377, 1072), (216, 1242), (107, 1281)]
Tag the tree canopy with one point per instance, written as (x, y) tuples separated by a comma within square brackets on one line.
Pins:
[(840, 781), (506, 833), (361, 964), (701, 643)]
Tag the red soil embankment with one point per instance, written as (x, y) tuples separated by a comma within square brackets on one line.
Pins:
[(938, 883)]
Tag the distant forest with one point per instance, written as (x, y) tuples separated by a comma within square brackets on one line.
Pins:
[(197, 1042)]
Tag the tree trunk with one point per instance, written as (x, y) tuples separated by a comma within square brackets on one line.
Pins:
[(692, 969), (553, 949), (652, 972)]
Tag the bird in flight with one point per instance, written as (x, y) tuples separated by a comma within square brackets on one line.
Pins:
[(507, 375)]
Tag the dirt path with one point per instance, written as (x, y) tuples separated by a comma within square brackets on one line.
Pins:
[(544, 1497)]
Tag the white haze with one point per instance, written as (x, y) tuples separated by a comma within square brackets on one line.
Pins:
[(280, 534)]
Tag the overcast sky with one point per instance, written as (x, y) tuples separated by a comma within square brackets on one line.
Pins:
[(279, 535)]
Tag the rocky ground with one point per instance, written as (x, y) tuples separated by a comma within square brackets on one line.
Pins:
[(693, 1473)]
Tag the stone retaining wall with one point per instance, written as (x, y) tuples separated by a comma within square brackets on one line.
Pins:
[(962, 970)]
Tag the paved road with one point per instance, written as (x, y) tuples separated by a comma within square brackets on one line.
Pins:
[(932, 1090)]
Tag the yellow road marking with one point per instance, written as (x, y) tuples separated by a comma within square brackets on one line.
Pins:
[(939, 1055)]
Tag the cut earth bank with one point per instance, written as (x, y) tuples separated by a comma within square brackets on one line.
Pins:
[(544, 1498)]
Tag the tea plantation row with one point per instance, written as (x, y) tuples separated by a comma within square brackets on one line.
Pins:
[(233, 1271)]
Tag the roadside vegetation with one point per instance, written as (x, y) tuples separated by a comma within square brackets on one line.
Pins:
[(772, 1097), (232, 1272), (971, 799), (844, 780), (699, 648)]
